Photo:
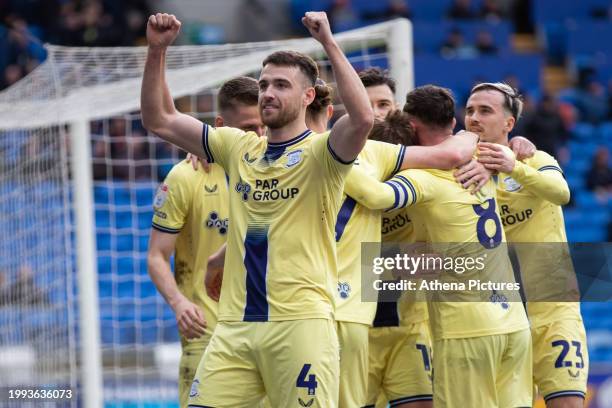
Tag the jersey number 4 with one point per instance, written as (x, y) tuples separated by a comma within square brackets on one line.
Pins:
[(311, 383)]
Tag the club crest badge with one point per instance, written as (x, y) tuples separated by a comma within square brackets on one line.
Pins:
[(161, 196), (293, 158), (511, 184)]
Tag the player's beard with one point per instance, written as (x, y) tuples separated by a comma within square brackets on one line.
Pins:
[(282, 118)]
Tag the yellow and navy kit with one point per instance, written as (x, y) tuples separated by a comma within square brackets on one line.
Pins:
[(284, 200), (194, 204), (453, 216), (357, 224)]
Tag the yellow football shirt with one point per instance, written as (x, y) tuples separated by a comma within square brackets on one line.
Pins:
[(284, 200), (452, 216), (357, 224), (194, 205), (530, 200)]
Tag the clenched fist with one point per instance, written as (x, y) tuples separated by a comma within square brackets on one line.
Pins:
[(318, 25), (162, 30)]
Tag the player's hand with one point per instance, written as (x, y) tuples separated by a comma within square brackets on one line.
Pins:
[(162, 30), (214, 274), (194, 160), (494, 158), (190, 319), (523, 148), (473, 176), (318, 25)]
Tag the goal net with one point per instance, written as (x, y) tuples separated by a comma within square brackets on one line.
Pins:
[(76, 163)]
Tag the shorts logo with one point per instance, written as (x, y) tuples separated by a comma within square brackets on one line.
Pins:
[(293, 158), (572, 374), (501, 299), (344, 289), (244, 189), (511, 184), (194, 388), (305, 404), (214, 221), (210, 190), (161, 196)]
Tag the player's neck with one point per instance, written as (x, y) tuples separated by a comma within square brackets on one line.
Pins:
[(433, 137), (287, 132)]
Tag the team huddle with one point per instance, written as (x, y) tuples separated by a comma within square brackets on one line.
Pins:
[(266, 237)]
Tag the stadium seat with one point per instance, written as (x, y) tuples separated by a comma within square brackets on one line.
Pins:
[(429, 36), (460, 74)]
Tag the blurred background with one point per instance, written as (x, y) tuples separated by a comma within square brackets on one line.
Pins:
[(558, 53)]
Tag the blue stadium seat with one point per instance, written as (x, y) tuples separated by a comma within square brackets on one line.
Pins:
[(460, 74), (144, 194), (427, 10), (584, 132), (103, 241), (590, 38), (102, 218), (124, 242), (429, 36), (125, 265)]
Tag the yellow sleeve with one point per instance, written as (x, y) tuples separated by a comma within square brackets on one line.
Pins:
[(399, 192), (389, 158), (172, 200), (543, 177), (330, 163), (219, 142)]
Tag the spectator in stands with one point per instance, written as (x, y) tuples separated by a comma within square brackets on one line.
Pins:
[(485, 44), (12, 74), (599, 177), (610, 99), (491, 10), (461, 10), (455, 46), (395, 9), (24, 291), (3, 286), (591, 101), (342, 15), (544, 126), (130, 152)]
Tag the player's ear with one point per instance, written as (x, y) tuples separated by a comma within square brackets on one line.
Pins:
[(330, 112), (454, 123), (309, 95), (219, 121), (510, 121)]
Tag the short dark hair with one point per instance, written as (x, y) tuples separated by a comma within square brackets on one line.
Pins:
[(513, 101), (376, 76), (241, 90), (432, 105), (295, 59), (323, 98), (396, 129)]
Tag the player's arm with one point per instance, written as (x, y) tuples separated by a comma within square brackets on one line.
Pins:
[(546, 182), (158, 112), (189, 317), (451, 153), (349, 133), (375, 195)]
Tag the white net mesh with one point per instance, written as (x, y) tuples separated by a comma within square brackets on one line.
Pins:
[(102, 87), (37, 322)]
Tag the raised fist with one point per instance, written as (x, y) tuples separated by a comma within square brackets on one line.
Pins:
[(162, 30), (318, 25)]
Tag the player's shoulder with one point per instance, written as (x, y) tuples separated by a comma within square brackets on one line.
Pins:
[(541, 159)]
